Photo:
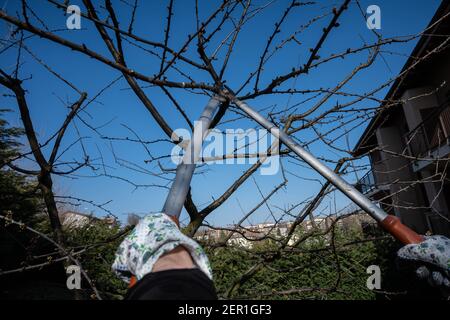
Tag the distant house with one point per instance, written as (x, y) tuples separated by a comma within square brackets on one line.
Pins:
[(248, 236), (72, 219), (403, 140)]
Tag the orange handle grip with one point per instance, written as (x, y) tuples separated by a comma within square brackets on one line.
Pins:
[(133, 281), (401, 232), (175, 219)]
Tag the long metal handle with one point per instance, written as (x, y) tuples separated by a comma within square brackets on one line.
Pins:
[(185, 170), (388, 222)]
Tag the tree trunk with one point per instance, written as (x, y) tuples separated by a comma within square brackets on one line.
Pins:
[(45, 184)]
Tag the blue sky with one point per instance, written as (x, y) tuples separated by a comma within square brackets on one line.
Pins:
[(118, 108)]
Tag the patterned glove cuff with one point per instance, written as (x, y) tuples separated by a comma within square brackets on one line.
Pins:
[(153, 236), (434, 250)]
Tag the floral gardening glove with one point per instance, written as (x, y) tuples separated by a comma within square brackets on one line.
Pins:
[(154, 235), (433, 258)]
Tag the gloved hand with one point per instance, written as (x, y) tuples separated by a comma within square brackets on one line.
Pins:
[(154, 235), (432, 257)]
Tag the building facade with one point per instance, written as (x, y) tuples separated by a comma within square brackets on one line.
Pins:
[(408, 140)]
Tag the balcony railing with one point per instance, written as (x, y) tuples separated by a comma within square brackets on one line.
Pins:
[(432, 133), (375, 179), (366, 183)]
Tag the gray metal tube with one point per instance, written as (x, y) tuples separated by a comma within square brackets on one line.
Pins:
[(350, 191), (185, 170)]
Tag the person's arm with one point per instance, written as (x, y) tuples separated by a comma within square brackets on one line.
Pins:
[(178, 258), (156, 256)]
